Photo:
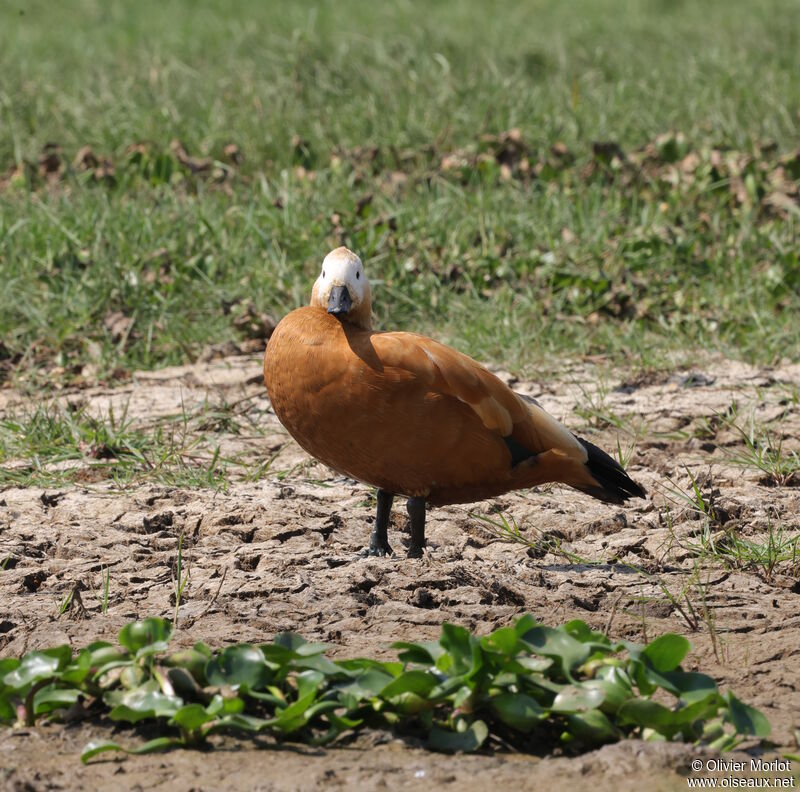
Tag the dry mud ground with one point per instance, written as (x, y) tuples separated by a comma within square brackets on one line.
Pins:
[(281, 553)]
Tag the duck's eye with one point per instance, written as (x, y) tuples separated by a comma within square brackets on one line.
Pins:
[(323, 273), (358, 275)]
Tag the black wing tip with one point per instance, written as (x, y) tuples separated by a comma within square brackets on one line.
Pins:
[(616, 486)]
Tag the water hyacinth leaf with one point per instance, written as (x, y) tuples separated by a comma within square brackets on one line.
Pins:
[(132, 676), (355, 666), (712, 729), (447, 741), (138, 634), (98, 646), (308, 682), (63, 654), (78, 669), (94, 748), (701, 710), (104, 675), (153, 746), (368, 684), (192, 661), (288, 646), (565, 650), (666, 652), (221, 705), (135, 705), (268, 698), (240, 721), (52, 698), (460, 646), (534, 663), (524, 624), (504, 640), (518, 711), (692, 686), (646, 682), (184, 684), (649, 714), (579, 629), (8, 699), (615, 691), (34, 667), (655, 679), (295, 716), (592, 727), (320, 708), (239, 666), (409, 703), (203, 649), (191, 717), (8, 664), (157, 647), (414, 681), (462, 698), (508, 677), (7, 712), (578, 698), (309, 649), (421, 653), (318, 663), (342, 723), (747, 719), (289, 640), (447, 688), (277, 655), (725, 743)]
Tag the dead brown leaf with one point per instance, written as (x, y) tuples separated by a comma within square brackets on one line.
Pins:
[(51, 165), (194, 164), (101, 168), (118, 325), (163, 273), (233, 154), (254, 324)]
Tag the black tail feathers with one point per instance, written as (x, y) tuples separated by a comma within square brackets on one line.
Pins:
[(615, 485)]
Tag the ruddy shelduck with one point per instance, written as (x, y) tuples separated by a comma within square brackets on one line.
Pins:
[(414, 417)]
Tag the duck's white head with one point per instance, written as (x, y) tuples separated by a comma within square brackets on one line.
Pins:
[(342, 288)]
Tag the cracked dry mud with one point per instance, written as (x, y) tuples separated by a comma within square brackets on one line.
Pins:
[(281, 553)]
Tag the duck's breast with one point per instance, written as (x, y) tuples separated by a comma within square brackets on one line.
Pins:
[(380, 423)]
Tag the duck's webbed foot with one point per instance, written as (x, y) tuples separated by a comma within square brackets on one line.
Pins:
[(379, 540), (416, 513)]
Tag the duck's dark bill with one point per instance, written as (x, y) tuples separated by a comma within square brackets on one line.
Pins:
[(339, 302)]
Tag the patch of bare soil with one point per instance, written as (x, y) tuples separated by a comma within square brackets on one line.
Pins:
[(282, 553)]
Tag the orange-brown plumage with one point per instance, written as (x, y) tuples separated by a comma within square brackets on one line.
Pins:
[(412, 416)]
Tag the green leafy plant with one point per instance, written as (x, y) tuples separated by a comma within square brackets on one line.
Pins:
[(527, 686)]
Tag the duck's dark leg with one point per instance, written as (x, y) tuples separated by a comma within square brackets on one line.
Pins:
[(416, 513), (379, 541)]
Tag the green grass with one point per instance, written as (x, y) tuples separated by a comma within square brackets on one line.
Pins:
[(763, 451), (519, 271), (53, 445)]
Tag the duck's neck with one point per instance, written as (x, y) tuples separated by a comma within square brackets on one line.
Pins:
[(361, 316)]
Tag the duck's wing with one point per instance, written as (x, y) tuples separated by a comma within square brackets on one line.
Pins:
[(541, 448), (450, 373)]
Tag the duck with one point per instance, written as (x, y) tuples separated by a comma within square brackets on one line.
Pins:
[(413, 417)]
